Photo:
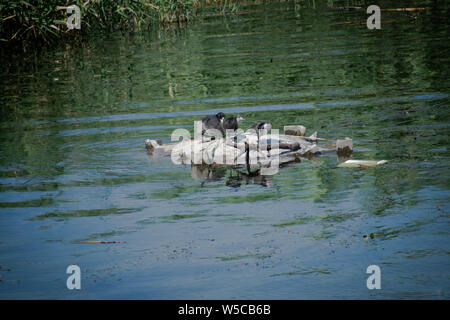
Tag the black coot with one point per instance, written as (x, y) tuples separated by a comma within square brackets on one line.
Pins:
[(232, 122), (213, 122), (261, 125)]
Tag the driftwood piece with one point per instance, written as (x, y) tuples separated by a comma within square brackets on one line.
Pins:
[(156, 147), (266, 151), (362, 163)]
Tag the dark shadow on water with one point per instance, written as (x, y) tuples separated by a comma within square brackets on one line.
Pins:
[(234, 177)]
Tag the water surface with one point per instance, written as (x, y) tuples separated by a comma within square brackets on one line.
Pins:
[(73, 166)]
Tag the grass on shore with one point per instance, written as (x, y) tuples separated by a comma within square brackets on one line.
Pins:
[(34, 22)]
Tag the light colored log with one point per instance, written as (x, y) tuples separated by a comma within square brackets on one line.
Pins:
[(267, 151), (362, 163)]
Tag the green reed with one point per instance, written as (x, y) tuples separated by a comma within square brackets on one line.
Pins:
[(36, 21)]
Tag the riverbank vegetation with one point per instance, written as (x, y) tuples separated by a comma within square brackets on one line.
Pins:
[(34, 22)]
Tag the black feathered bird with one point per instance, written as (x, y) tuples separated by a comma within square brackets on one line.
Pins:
[(213, 122), (261, 125), (232, 122)]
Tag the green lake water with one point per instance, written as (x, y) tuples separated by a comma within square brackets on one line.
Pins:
[(73, 166)]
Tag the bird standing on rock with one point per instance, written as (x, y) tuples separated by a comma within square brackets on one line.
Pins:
[(213, 122), (261, 126), (232, 123)]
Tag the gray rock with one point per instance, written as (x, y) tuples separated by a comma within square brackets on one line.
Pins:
[(296, 130), (344, 146)]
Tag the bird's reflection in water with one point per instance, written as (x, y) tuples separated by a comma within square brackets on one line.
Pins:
[(234, 177), (208, 172)]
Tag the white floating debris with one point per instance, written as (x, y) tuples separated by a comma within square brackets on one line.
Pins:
[(362, 163)]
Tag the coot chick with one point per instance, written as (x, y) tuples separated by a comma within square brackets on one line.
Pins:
[(232, 122), (261, 125), (213, 122)]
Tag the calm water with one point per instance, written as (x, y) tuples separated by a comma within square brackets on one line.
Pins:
[(73, 166)]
